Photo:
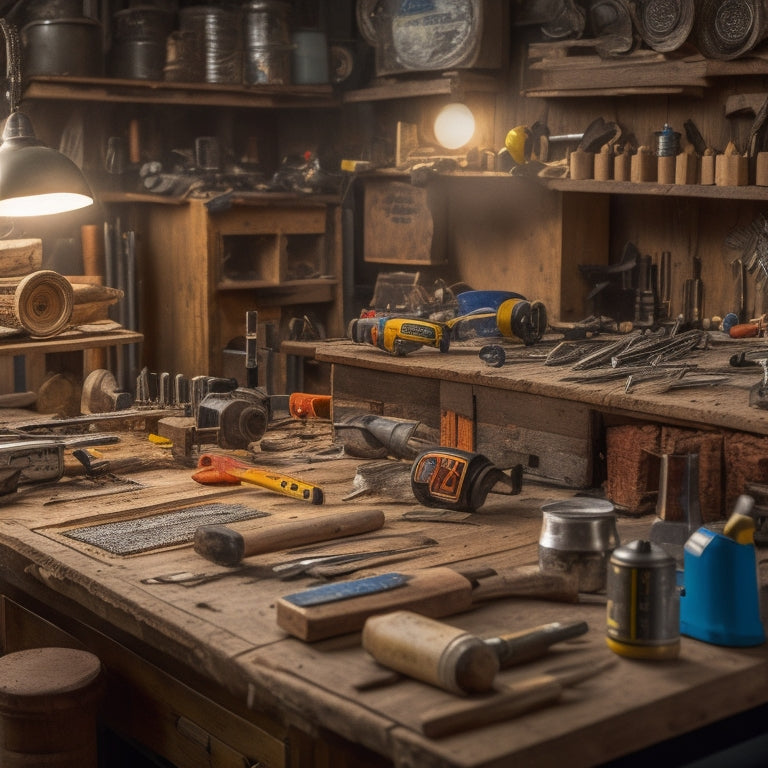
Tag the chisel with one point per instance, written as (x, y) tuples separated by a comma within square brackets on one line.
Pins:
[(509, 701), (226, 546), (215, 470)]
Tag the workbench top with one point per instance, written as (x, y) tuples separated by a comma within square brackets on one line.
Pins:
[(724, 404), (222, 625)]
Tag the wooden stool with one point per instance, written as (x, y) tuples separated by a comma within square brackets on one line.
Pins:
[(48, 702)]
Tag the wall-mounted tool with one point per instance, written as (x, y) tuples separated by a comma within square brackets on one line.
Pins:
[(344, 606), (399, 335), (227, 546), (455, 479), (693, 296), (218, 470)]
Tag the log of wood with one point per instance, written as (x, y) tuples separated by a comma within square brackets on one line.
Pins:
[(41, 303), (92, 302), (20, 257)]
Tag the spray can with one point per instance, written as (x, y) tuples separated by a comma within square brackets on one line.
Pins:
[(643, 613)]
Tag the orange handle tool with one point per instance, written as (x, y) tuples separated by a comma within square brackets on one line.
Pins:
[(223, 469)]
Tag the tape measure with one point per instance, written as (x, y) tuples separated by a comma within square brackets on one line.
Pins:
[(521, 319), (460, 480)]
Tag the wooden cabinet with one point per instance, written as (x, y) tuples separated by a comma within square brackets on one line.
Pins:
[(202, 271)]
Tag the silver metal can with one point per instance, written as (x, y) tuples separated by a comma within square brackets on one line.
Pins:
[(643, 612)]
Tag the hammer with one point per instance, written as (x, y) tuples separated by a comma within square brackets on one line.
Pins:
[(450, 658), (226, 546)]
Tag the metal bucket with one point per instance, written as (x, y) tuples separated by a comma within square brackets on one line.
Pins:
[(71, 47), (218, 41)]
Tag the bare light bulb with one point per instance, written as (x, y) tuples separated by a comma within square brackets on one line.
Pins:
[(454, 126)]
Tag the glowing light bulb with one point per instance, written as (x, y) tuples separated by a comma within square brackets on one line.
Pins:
[(454, 126)]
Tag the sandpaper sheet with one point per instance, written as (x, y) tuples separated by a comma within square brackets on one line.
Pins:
[(128, 537)]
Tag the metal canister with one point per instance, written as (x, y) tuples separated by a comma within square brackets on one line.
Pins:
[(578, 536), (643, 614)]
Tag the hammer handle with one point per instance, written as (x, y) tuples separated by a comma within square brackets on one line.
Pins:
[(511, 701), (226, 546)]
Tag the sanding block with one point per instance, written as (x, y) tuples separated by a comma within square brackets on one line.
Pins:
[(433, 592)]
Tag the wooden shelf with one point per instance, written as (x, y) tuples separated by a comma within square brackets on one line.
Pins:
[(572, 68), (103, 89), (317, 291), (651, 188), (68, 341), (591, 186), (414, 86)]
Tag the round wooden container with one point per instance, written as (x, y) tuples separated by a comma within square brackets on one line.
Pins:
[(48, 703)]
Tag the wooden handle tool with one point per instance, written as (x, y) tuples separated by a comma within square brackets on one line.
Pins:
[(226, 546), (508, 701), (434, 592), (223, 469)]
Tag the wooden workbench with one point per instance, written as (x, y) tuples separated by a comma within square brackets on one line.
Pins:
[(202, 674)]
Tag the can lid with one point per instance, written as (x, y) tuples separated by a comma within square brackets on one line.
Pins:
[(643, 552)]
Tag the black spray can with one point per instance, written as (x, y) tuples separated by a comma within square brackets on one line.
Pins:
[(643, 615)]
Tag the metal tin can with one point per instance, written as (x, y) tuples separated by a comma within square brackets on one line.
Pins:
[(643, 613), (578, 536)]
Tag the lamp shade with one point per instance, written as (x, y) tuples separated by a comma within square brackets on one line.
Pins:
[(36, 180)]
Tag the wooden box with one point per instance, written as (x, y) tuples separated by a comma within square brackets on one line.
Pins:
[(403, 224)]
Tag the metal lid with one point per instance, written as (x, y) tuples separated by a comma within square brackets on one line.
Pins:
[(727, 29), (665, 24)]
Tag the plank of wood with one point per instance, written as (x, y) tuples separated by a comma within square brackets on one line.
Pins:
[(433, 592)]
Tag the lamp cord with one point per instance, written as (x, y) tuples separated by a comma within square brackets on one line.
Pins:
[(12, 63)]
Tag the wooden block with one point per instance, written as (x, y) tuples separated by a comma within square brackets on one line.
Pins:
[(686, 168), (632, 467), (20, 257), (731, 171), (622, 167), (403, 223), (709, 447), (604, 161), (761, 169), (582, 165), (643, 166), (708, 169), (432, 592), (665, 169)]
